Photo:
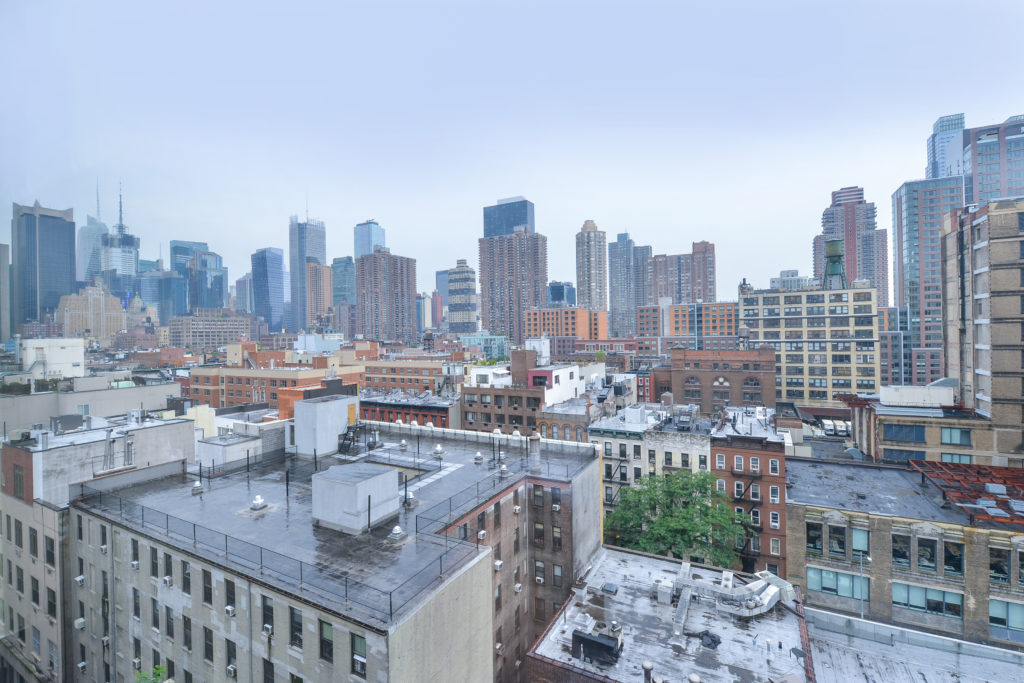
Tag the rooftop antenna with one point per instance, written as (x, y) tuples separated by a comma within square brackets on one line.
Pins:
[(120, 210), (98, 217)]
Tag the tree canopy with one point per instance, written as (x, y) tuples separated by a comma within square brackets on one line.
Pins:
[(679, 514)]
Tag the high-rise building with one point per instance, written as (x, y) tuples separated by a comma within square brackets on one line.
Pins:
[(983, 304), (852, 219), (561, 294), (120, 257), (367, 237), (207, 281), (424, 312), (513, 279), (508, 215), (268, 286), (386, 296), (5, 293), (343, 280), (244, 299), (592, 267), (441, 285), (319, 292), (629, 278), (43, 260), (563, 321), (992, 161), (307, 242), (89, 259), (702, 286), (462, 304), (918, 209), (183, 252), (945, 147), (167, 290)]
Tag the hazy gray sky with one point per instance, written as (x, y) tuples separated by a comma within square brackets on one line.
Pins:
[(731, 122)]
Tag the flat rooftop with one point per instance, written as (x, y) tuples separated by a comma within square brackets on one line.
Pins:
[(742, 655), (399, 397), (378, 573), (753, 422), (117, 426), (889, 491)]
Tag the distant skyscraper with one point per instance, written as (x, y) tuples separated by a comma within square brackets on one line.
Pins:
[(368, 236), (793, 281), (865, 250), (319, 293), (462, 304), (5, 293), (120, 257), (207, 281), (90, 249), (945, 147), (992, 156), (386, 296), (561, 294), (513, 279), (343, 280), (268, 286), (43, 260), (307, 242), (244, 294), (166, 289), (441, 284), (508, 214), (592, 267), (629, 278), (183, 252), (703, 276)]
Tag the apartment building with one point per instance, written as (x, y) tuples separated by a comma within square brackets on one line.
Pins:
[(825, 341), (715, 379), (391, 406), (414, 376), (935, 549), (223, 386), (580, 322), (329, 592), (208, 328), (696, 325)]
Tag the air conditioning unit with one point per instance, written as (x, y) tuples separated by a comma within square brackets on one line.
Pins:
[(135, 565), (168, 580), (518, 588), (499, 648), (516, 509), (556, 508), (105, 641), (81, 667), (79, 623), (540, 580), (498, 564), (137, 664), (518, 663), (229, 610), (103, 550), (232, 671), (268, 630), (359, 665), (481, 535), (80, 580)]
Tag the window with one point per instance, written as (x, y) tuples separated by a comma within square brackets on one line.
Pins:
[(755, 464), (207, 587), (186, 632), (773, 494), (18, 541), (33, 541), (34, 584), (774, 520), (186, 577), (136, 609), (719, 461), (538, 534), (720, 485), (755, 517), (814, 538), (900, 550), (926, 553), (538, 609), (154, 563), (737, 463), (326, 641), (538, 495), (556, 538), (929, 600), (1004, 617), (737, 489), (556, 574), (838, 583), (51, 603), (78, 531), (207, 644), (755, 492), (359, 655), (775, 545), (953, 557), (50, 556), (135, 550), (538, 569), (836, 540), (268, 671), (268, 611), (169, 621), (229, 593), (168, 571), (998, 565), (859, 542), (897, 432), (19, 482), (19, 579), (295, 627), (956, 437), (959, 458), (773, 466), (154, 607)]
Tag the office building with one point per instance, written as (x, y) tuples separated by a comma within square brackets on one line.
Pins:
[(307, 243), (343, 280), (695, 326), (5, 293), (319, 292), (592, 267), (918, 210), (491, 346), (825, 341), (244, 295), (367, 237), (208, 328), (865, 250), (993, 157), (513, 279), (793, 280), (424, 313), (182, 253), (945, 147), (167, 290), (441, 279), (207, 281), (578, 322), (507, 216), (386, 296), (94, 313), (561, 294), (120, 257), (89, 257), (42, 261), (628, 283), (983, 306)]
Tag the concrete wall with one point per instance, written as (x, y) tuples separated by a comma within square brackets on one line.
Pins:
[(56, 357), (450, 637), (587, 516), (211, 452), (21, 412), (319, 422)]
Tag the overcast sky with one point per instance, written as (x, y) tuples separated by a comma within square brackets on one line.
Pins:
[(731, 123)]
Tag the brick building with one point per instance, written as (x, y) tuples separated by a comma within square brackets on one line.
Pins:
[(444, 412), (208, 328), (566, 322), (713, 379)]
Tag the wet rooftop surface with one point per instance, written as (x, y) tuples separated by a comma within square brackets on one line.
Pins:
[(282, 534), (866, 488), (741, 656)]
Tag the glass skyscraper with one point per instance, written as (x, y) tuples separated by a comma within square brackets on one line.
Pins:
[(90, 249), (367, 237), (42, 261), (508, 214), (945, 147), (268, 286), (182, 252), (307, 243)]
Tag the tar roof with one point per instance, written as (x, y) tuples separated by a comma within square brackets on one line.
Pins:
[(987, 494), (647, 626), (869, 489)]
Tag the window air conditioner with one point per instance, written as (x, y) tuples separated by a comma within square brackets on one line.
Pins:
[(79, 623), (540, 580), (168, 580), (81, 667), (268, 630), (516, 510), (232, 671), (135, 565), (498, 564), (80, 580), (137, 664), (103, 550), (518, 588), (229, 610), (556, 508), (481, 535)]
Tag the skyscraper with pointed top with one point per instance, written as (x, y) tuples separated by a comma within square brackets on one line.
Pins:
[(120, 255), (307, 243)]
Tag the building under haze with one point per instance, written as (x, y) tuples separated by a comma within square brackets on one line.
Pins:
[(592, 267), (5, 292), (343, 280), (945, 147), (183, 252), (513, 279), (119, 261), (207, 281), (89, 259), (244, 302), (508, 214), (42, 260), (319, 292), (307, 242), (865, 248), (268, 286), (386, 296), (367, 237), (462, 302), (561, 294), (628, 283), (993, 157)]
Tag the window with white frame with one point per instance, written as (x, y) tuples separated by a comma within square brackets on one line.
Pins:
[(720, 485), (720, 461), (755, 517), (773, 494), (737, 463), (774, 520), (775, 546), (737, 489), (755, 464), (773, 466), (755, 492)]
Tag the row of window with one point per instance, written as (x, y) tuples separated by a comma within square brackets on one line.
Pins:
[(15, 529), (754, 491), (16, 580)]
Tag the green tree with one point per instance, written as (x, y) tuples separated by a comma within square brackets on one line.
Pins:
[(600, 356), (157, 675), (680, 514)]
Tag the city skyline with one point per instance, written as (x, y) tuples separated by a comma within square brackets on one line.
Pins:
[(626, 157)]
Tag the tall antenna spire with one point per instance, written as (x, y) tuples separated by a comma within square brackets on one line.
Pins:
[(120, 209), (98, 199), (307, 206)]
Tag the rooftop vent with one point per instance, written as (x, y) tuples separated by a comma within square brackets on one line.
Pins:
[(354, 498), (478, 458), (197, 488), (258, 503), (997, 489)]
